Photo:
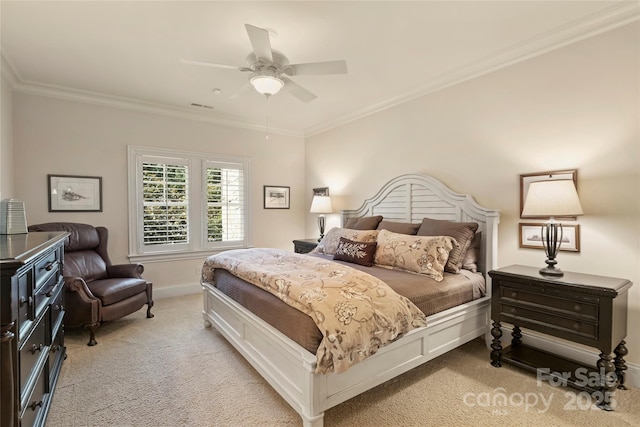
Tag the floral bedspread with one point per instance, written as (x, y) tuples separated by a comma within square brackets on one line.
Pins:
[(356, 312)]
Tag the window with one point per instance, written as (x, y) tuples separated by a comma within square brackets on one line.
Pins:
[(184, 203)]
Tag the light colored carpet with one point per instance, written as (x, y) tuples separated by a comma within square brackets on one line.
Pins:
[(172, 371)]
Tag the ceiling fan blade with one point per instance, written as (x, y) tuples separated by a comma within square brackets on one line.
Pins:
[(260, 41), (328, 67), (212, 65), (298, 91)]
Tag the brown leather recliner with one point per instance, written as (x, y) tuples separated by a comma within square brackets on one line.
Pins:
[(96, 290)]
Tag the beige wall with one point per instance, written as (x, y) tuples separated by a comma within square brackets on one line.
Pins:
[(576, 107), (54, 136), (6, 140)]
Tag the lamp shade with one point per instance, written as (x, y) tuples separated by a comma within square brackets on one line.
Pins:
[(267, 85), (321, 204), (552, 198)]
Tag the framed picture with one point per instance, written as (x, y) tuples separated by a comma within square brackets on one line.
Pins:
[(527, 179), (276, 197), (531, 236), (70, 193), (322, 191)]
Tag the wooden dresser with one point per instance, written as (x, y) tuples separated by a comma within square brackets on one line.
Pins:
[(583, 308), (31, 325)]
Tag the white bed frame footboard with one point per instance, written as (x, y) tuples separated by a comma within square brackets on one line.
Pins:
[(289, 368)]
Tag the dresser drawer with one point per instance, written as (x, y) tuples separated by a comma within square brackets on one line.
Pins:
[(56, 310), (31, 352), (25, 302), (565, 326), (44, 295), (49, 265), (56, 355), (581, 309), (35, 402)]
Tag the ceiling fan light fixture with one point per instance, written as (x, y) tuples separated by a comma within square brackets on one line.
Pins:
[(267, 85)]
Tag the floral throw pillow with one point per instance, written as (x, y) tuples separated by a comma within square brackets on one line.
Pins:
[(355, 252), (418, 254), (329, 243)]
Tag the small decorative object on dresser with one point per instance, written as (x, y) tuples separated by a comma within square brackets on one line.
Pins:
[(303, 246), (31, 325), (582, 308)]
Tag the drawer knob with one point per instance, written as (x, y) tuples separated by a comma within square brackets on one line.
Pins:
[(513, 311), (576, 326), (514, 294), (55, 348), (36, 348), (35, 404), (50, 266), (577, 307), (24, 301)]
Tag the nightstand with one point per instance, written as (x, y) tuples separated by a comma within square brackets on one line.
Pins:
[(582, 308), (304, 246)]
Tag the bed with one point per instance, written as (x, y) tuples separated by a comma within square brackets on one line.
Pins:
[(289, 364)]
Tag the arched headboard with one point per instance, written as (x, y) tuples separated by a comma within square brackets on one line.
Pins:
[(411, 197)]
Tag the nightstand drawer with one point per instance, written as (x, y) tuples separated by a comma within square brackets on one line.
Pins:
[(581, 309), (534, 319)]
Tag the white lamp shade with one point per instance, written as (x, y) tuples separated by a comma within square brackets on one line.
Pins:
[(267, 85), (321, 204), (552, 198)]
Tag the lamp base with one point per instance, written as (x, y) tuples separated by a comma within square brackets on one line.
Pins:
[(551, 271)]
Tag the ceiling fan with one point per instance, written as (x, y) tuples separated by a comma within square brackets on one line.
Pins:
[(269, 68)]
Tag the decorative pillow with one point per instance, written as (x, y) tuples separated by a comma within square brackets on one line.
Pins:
[(470, 261), (419, 254), (463, 232), (364, 223), (329, 243), (355, 252), (399, 227)]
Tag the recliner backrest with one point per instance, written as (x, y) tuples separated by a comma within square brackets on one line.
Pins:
[(85, 249)]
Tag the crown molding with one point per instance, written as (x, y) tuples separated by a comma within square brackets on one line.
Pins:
[(65, 93), (597, 23)]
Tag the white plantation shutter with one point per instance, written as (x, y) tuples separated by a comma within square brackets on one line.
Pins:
[(225, 202), (165, 199), (183, 203)]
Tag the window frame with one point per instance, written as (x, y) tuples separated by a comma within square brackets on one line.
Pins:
[(197, 206)]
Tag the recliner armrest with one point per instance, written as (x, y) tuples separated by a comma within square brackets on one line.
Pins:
[(125, 270), (78, 285)]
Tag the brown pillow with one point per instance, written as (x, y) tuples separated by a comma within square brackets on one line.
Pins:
[(329, 243), (399, 227), (355, 252), (364, 223), (463, 232), (470, 261)]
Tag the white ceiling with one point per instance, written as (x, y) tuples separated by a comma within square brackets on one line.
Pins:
[(128, 53)]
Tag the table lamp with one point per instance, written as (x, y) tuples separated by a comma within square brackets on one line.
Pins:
[(321, 205), (553, 198)]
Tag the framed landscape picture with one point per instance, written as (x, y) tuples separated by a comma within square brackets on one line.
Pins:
[(531, 236), (71, 193), (276, 197)]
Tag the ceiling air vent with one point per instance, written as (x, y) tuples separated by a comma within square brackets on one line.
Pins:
[(208, 107)]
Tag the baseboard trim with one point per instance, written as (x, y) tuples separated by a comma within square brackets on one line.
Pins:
[(176, 291), (583, 354)]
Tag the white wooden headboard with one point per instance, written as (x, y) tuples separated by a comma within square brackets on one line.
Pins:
[(411, 197)]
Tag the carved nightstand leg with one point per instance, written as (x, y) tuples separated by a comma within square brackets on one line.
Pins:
[(620, 364), (496, 345), (605, 368), (516, 335)]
